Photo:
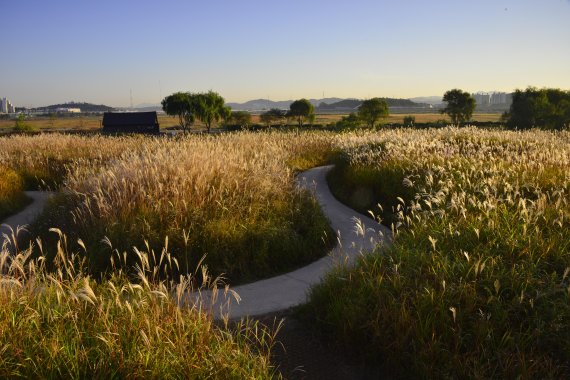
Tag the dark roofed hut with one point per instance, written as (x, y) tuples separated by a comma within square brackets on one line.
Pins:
[(131, 122)]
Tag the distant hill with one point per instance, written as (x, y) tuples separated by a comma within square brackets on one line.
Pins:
[(433, 100), (266, 104), (84, 107), (351, 105)]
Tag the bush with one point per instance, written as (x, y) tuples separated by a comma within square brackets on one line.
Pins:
[(349, 122), (21, 125), (409, 121)]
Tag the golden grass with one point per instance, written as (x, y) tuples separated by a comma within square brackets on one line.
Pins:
[(476, 283), (232, 197), (60, 323), (12, 197)]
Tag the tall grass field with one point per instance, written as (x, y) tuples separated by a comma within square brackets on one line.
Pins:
[(477, 282)]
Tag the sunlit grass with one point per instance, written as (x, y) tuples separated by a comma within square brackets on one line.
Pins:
[(12, 197), (232, 197), (477, 281), (57, 322)]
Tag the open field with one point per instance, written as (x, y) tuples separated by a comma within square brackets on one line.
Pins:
[(88, 123), (476, 284)]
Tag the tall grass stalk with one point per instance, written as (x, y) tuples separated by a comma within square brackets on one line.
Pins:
[(57, 322), (477, 281)]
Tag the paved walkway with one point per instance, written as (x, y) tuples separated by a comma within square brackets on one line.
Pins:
[(355, 233), (10, 226)]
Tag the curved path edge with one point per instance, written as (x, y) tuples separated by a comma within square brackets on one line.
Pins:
[(20, 221), (356, 233)]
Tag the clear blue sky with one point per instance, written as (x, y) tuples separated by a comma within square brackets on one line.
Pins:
[(97, 51)]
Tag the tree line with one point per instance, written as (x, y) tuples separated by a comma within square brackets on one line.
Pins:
[(532, 108)]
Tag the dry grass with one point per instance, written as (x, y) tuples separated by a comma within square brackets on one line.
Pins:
[(231, 197), (477, 282), (59, 323), (12, 197)]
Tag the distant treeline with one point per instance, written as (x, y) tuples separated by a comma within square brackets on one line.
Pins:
[(84, 107)]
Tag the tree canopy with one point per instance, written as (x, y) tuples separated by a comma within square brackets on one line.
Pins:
[(272, 116), (180, 104), (545, 108), (460, 106), (372, 110), (241, 119), (301, 110), (210, 108)]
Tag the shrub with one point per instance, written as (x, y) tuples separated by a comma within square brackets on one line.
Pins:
[(409, 121), (21, 125), (349, 122)]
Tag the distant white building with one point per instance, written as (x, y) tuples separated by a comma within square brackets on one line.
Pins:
[(6, 106), (498, 98), (68, 110), (482, 98)]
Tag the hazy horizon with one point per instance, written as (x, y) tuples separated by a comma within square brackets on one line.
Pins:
[(98, 52)]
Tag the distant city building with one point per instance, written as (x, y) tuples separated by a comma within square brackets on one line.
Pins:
[(498, 98), (482, 98), (492, 98), (6, 106), (68, 110)]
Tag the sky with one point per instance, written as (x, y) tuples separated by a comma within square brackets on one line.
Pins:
[(102, 51)]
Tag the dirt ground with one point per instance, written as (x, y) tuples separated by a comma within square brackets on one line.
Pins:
[(301, 354)]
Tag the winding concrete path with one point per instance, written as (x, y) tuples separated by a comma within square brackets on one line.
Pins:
[(356, 233), (12, 224)]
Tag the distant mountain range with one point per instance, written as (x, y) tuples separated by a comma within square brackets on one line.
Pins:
[(326, 105), (433, 100)]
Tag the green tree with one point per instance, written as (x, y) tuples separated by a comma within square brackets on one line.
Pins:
[(460, 106), (372, 110), (210, 108), (409, 121), (21, 125), (301, 110), (272, 116), (351, 121), (241, 119), (180, 104), (545, 108)]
